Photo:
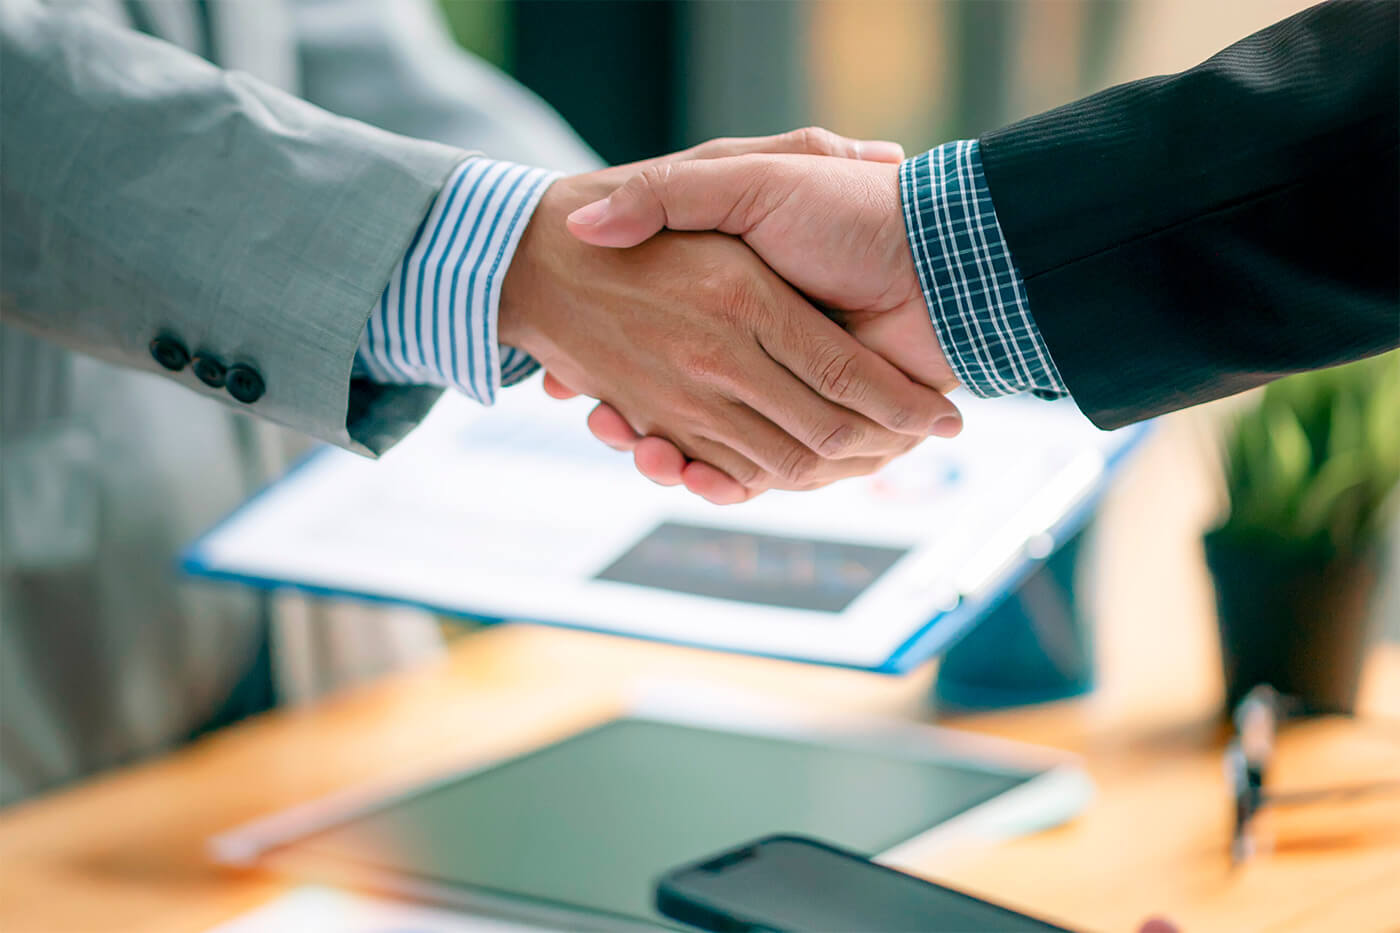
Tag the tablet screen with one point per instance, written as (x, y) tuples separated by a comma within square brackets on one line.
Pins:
[(594, 820), (747, 567)]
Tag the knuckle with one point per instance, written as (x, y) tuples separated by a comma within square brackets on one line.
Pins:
[(701, 365), (747, 474), (798, 465), (718, 147), (817, 140), (838, 440), (901, 418), (838, 377), (710, 362), (708, 286), (729, 297), (736, 295), (650, 184), (656, 174)]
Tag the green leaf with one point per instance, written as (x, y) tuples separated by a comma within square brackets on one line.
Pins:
[(1291, 455), (1340, 478), (1348, 433), (1383, 416), (1318, 458)]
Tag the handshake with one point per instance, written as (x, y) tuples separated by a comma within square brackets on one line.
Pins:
[(783, 343)]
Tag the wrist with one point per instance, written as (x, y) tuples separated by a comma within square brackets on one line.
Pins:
[(513, 310), (545, 255)]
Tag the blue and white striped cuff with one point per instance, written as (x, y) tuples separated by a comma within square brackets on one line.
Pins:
[(975, 295), (436, 321)]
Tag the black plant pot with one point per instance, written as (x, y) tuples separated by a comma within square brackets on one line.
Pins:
[(1293, 617)]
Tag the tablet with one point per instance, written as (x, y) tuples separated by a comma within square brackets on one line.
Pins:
[(520, 514), (576, 833)]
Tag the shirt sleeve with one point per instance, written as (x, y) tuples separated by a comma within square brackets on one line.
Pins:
[(435, 324), (975, 296)]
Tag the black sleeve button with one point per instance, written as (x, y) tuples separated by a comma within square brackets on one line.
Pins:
[(245, 384), (210, 371), (170, 353)]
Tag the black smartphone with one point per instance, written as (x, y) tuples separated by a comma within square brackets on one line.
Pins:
[(796, 885)]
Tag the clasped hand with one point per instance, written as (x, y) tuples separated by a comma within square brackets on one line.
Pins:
[(789, 348)]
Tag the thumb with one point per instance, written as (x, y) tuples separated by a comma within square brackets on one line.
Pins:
[(730, 195)]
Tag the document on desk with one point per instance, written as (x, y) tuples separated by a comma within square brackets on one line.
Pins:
[(518, 513), (326, 910)]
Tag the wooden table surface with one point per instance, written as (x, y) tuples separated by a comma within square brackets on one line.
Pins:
[(125, 851)]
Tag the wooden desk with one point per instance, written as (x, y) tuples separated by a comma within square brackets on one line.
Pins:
[(126, 851)]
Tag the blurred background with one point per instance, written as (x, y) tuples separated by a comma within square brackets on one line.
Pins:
[(641, 77)]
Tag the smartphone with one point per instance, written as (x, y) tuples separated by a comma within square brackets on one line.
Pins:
[(797, 885)]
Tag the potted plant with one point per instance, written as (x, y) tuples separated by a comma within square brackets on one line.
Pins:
[(1309, 472)]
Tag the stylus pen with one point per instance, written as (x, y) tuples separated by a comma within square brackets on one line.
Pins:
[(1247, 760)]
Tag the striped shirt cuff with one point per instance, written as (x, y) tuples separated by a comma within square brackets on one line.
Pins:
[(436, 321), (975, 295)]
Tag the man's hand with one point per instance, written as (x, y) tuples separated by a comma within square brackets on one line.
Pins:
[(832, 228), (693, 338)]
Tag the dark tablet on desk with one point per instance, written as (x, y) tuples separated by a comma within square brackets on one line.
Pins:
[(577, 832)]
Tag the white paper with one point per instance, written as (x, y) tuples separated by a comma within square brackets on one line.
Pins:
[(326, 910), (511, 512)]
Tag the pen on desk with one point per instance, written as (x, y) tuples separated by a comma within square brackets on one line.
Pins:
[(1247, 761)]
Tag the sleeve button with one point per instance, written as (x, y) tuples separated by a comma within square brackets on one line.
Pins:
[(210, 371), (170, 353), (245, 384)]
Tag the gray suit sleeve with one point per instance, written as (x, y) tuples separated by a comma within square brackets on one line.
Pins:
[(147, 193)]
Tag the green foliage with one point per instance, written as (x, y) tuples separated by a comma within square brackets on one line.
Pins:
[(1317, 460), (482, 27)]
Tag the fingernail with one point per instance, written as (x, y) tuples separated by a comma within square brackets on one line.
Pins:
[(879, 150), (947, 426), (590, 214)]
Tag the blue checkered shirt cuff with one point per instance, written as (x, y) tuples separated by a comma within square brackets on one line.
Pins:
[(975, 295), (435, 323)]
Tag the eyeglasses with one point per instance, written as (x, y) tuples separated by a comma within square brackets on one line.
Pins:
[(1247, 758)]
